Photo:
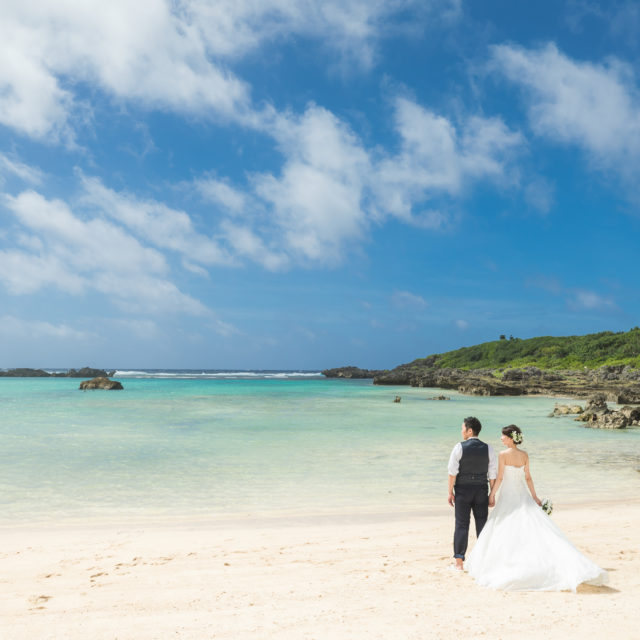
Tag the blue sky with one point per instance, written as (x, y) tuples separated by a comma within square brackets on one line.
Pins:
[(280, 184)]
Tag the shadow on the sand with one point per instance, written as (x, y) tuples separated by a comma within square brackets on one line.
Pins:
[(592, 589)]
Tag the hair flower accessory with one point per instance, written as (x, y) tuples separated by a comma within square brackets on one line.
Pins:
[(516, 437)]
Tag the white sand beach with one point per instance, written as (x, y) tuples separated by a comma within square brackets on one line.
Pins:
[(334, 578)]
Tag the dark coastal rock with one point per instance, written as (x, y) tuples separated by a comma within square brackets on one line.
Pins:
[(522, 374), (88, 372), (397, 399), (440, 398), (611, 420), (486, 388), (632, 414), (630, 395), (351, 373), (393, 378), (24, 373), (100, 383), (85, 372)]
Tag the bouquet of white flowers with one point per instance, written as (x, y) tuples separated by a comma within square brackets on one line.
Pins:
[(547, 506)]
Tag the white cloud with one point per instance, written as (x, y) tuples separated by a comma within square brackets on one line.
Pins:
[(12, 327), (77, 255), (225, 329), (83, 243), (158, 224), (247, 244), (589, 300), (577, 299), (437, 158), (230, 28), (594, 106), (463, 325), (550, 284), (143, 51), (13, 166), (162, 54), (316, 200), (332, 190), (141, 328), (220, 192), (25, 272), (408, 300), (539, 194)]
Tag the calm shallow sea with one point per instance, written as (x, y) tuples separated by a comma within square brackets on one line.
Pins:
[(219, 445)]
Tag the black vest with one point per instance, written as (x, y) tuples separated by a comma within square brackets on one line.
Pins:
[(474, 464)]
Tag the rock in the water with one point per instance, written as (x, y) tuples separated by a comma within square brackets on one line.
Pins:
[(598, 416), (565, 410), (100, 383), (612, 420), (440, 398)]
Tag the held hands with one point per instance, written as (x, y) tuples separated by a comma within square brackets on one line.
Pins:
[(492, 499), (451, 499)]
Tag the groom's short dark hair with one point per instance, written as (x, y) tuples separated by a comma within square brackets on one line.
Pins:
[(473, 424)]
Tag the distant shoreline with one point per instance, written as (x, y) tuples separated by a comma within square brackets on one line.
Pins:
[(84, 372)]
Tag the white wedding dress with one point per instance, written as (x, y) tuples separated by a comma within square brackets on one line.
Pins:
[(522, 549)]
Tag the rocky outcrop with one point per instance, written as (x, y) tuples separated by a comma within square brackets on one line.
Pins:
[(100, 383), (598, 415), (479, 382), (618, 384), (597, 404), (352, 373)]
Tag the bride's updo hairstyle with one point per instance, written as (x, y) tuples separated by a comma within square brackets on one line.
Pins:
[(510, 431)]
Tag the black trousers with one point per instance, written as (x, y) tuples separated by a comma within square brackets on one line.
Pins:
[(469, 497)]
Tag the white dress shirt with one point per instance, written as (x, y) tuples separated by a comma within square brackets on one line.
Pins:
[(456, 454)]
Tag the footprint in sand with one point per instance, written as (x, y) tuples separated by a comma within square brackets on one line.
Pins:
[(38, 601)]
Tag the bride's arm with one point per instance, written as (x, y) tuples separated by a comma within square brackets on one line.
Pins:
[(529, 480), (498, 482)]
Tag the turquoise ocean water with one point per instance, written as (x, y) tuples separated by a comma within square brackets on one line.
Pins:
[(216, 446)]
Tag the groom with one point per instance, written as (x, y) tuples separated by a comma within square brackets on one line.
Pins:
[(470, 464)]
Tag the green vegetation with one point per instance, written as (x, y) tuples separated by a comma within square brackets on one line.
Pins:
[(571, 352)]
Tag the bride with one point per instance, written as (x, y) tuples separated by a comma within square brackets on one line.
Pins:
[(520, 547)]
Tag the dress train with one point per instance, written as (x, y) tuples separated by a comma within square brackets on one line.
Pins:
[(522, 549)]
